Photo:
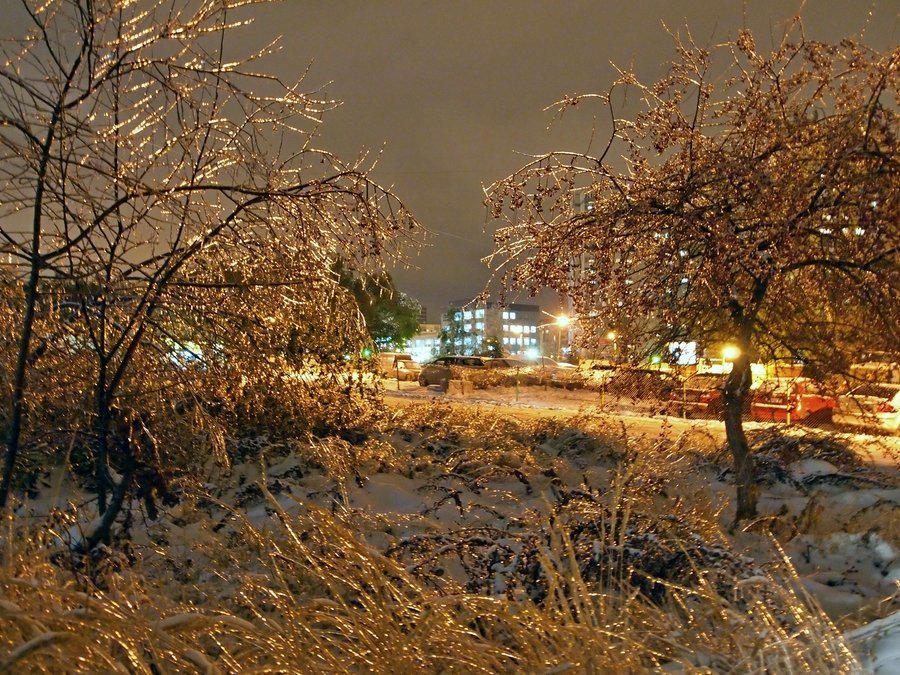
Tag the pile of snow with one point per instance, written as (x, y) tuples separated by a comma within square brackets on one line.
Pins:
[(877, 645)]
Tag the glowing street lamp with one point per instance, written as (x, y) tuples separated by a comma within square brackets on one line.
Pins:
[(562, 322), (613, 337), (730, 353)]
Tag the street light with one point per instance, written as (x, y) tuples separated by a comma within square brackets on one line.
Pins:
[(613, 337), (730, 353), (562, 322)]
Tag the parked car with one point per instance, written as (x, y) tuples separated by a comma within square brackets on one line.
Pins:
[(791, 399), (699, 394), (438, 371), (507, 363), (547, 363), (507, 371), (645, 383), (399, 366), (877, 367), (556, 373), (405, 370), (873, 404), (601, 372)]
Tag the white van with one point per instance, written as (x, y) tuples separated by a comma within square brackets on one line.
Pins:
[(398, 365)]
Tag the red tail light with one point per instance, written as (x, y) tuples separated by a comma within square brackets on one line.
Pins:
[(885, 407)]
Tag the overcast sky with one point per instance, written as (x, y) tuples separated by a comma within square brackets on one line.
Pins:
[(454, 92)]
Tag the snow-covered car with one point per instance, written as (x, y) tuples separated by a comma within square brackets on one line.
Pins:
[(598, 375), (548, 363), (438, 371), (556, 373), (873, 404), (877, 367), (791, 399), (405, 370), (507, 363), (699, 394), (642, 383)]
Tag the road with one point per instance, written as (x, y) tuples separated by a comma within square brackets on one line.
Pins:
[(635, 423), (536, 402)]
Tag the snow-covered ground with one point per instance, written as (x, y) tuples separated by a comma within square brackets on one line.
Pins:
[(642, 416), (825, 505), (844, 525)]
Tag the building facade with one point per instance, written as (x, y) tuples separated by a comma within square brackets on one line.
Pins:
[(470, 327), (426, 344)]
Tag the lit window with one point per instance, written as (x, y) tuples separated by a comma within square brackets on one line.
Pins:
[(506, 340), (467, 315), (505, 316), (479, 313), (534, 341), (479, 325), (506, 328), (533, 329), (468, 326), (512, 315)]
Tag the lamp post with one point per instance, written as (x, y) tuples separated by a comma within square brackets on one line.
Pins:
[(562, 323), (612, 337)]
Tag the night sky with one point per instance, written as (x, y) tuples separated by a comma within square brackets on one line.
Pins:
[(454, 92)]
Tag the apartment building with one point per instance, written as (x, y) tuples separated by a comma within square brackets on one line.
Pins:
[(515, 326)]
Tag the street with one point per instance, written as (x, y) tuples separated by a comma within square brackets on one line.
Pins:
[(537, 402)]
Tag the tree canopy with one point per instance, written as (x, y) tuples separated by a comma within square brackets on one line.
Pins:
[(758, 204), (454, 338), (179, 197), (391, 316)]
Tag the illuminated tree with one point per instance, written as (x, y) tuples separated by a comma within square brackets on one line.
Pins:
[(759, 206), (170, 186), (391, 316), (454, 338), (492, 347)]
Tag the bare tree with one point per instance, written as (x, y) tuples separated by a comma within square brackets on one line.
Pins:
[(156, 174), (758, 204)]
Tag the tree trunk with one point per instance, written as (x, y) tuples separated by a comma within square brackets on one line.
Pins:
[(101, 446), (14, 432), (104, 529), (737, 388)]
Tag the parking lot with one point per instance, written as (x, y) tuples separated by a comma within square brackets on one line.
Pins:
[(636, 417)]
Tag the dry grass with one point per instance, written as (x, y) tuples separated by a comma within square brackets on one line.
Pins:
[(623, 569)]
